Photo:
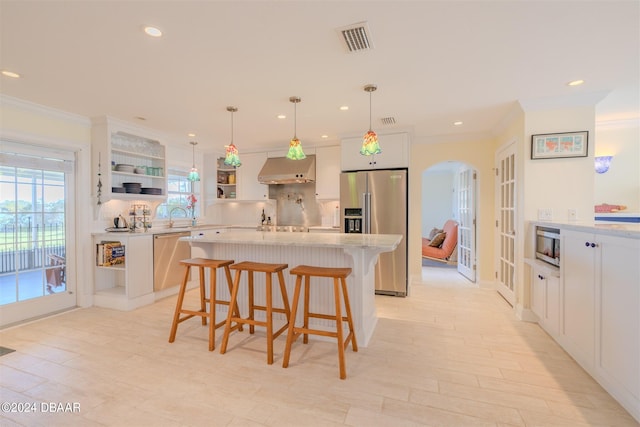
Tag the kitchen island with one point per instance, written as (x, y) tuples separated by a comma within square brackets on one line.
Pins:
[(358, 251)]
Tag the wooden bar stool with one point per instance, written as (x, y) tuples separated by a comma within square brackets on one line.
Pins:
[(202, 263), (250, 268), (339, 276)]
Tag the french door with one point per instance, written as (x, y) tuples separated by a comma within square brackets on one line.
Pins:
[(467, 226), (36, 244), (505, 222)]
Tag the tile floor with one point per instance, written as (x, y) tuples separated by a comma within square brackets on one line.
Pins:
[(449, 355)]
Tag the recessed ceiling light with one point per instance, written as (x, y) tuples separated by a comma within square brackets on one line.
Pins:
[(344, 108), (575, 83), (10, 74), (282, 116), (324, 136), (141, 118), (191, 134), (458, 123), (153, 31)]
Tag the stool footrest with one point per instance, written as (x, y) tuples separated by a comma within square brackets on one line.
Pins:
[(326, 316)]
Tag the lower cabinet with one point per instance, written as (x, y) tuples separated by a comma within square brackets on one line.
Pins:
[(601, 310), (618, 314), (545, 295), (129, 284), (579, 286)]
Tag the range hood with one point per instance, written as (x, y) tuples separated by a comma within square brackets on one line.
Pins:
[(280, 170)]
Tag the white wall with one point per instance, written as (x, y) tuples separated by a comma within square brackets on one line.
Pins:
[(620, 185), (559, 184), (437, 199)]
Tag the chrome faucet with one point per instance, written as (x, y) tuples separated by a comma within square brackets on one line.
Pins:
[(171, 214)]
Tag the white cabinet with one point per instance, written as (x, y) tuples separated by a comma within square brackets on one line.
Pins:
[(545, 295), (601, 302), (328, 173), (129, 285), (247, 178), (395, 153), (125, 154), (618, 314), (578, 274)]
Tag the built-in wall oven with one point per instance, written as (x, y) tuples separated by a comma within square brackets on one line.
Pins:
[(548, 245)]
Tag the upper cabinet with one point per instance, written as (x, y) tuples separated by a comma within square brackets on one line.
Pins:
[(328, 173), (226, 180), (395, 153), (128, 162), (247, 177)]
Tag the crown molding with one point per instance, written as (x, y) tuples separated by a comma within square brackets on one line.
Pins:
[(569, 101), (32, 107), (618, 124)]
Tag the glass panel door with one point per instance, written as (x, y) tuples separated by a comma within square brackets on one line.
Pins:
[(34, 276), (467, 227), (505, 222)]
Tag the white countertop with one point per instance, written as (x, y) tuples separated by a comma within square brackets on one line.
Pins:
[(387, 242), (162, 230), (620, 229)]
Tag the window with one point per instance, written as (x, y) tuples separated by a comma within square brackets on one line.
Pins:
[(179, 190)]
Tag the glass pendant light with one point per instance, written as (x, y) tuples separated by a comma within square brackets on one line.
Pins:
[(370, 141), (231, 157), (193, 173), (295, 147)]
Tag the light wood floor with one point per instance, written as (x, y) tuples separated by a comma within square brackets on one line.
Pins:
[(449, 355)]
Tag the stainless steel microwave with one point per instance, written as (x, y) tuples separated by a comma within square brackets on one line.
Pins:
[(548, 245)]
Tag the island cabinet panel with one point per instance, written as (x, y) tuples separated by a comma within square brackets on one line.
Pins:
[(360, 252)]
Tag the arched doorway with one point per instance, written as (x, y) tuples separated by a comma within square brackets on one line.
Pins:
[(449, 205)]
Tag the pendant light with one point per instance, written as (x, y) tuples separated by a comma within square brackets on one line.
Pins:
[(295, 147), (231, 157), (193, 173), (370, 141)]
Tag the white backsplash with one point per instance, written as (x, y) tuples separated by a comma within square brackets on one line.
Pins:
[(283, 211)]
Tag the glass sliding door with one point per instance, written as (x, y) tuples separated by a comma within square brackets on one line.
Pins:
[(34, 237)]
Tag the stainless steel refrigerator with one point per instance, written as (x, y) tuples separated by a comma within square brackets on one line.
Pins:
[(375, 202)]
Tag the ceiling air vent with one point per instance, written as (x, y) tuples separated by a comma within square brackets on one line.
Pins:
[(357, 37), (388, 121)]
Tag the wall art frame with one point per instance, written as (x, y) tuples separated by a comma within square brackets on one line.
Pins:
[(560, 145)]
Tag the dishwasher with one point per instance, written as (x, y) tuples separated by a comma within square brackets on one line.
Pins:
[(168, 251)]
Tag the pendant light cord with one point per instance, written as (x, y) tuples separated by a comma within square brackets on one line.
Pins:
[(295, 120), (232, 128), (369, 111)]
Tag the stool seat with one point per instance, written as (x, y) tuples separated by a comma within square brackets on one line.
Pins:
[(206, 315), (269, 269), (309, 270), (204, 262), (259, 267), (339, 276)]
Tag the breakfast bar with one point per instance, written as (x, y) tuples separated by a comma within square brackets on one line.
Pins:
[(358, 251)]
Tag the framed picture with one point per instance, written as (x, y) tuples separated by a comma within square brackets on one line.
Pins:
[(558, 145)]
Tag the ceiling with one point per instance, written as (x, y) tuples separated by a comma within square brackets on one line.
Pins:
[(434, 63)]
